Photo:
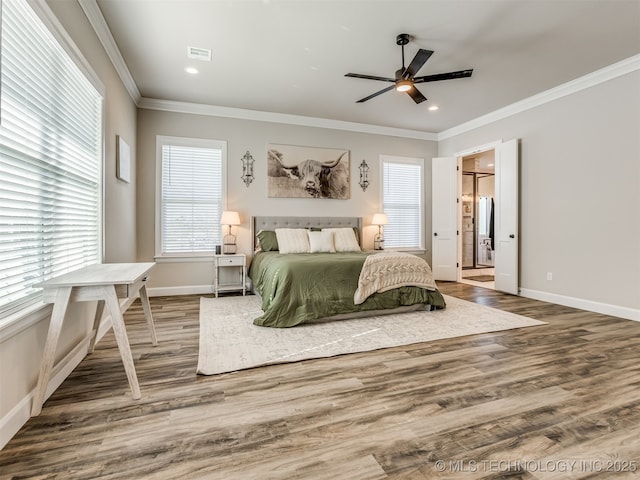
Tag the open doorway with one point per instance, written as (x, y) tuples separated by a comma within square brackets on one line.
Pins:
[(446, 215), (478, 207)]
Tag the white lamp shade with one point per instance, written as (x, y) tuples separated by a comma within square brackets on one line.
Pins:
[(230, 218), (379, 219)]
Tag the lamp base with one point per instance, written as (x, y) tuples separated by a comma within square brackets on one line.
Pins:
[(378, 242), (229, 246)]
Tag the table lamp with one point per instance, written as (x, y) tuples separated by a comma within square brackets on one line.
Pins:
[(229, 241), (379, 219)]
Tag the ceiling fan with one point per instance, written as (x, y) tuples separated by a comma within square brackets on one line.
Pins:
[(405, 78)]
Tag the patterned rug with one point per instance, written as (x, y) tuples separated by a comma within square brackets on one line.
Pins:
[(229, 341)]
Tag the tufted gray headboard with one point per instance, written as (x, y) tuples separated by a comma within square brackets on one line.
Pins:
[(271, 223)]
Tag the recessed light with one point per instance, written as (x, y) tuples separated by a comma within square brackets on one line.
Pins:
[(191, 70), (433, 108)]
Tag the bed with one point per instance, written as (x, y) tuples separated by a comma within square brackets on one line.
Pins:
[(300, 287)]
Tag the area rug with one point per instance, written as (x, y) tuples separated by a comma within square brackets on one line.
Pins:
[(229, 341), (481, 278)]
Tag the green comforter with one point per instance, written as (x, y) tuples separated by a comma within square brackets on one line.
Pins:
[(296, 288)]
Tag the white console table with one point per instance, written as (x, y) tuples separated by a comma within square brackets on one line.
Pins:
[(105, 283)]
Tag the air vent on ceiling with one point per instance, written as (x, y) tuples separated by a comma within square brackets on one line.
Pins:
[(197, 53)]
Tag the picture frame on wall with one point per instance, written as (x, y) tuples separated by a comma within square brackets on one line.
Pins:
[(123, 160), (308, 172)]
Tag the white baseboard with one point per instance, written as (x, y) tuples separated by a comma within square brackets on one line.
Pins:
[(589, 305), (16, 418), (184, 290), (13, 421)]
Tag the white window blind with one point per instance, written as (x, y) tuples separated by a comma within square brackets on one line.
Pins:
[(50, 160), (191, 197), (402, 202)]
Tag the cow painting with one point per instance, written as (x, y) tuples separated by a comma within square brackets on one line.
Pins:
[(304, 172)]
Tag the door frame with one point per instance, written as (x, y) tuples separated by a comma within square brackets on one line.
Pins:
[(463, 153)]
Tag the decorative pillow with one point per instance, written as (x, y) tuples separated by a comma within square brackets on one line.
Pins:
[(356, 232), (321, 242), (344, 239), (293, 240), (268, 240)]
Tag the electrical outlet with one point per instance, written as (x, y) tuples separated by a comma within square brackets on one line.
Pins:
[(549, 275)]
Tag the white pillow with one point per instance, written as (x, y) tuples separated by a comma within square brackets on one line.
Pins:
[(321, 242), (344, 239), (292, 240)]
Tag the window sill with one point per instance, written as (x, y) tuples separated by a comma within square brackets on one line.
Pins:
[(19, 321), (184, 258), (414, 251)]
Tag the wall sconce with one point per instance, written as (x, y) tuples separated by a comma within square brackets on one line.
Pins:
[(379, 219), (364, 175), (229, 240), (247, 168)]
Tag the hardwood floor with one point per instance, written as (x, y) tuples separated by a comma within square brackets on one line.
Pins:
[(555, 401)]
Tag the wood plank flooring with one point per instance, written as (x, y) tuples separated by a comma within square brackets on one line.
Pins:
[(554, 401)]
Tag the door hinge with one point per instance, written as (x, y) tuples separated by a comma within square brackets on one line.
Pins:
[(457, 264), (457, 200), (457, 168), (457, 232)]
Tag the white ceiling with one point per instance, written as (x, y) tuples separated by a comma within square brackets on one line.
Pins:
[(290, 57)]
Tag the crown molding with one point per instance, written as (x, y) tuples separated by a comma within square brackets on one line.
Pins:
[(94, 14), (610, 72), (260, 116), (99, 24)]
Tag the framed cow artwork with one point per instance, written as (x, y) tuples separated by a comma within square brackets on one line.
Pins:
[(308, 172)]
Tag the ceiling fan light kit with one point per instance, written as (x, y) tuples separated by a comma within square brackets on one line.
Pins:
[(405, 79), (403, 85)]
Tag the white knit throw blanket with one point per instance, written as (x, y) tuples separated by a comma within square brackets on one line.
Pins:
[(388, 270)]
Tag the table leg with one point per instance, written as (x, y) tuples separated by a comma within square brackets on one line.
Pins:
[(96, 325), (120, 332), (144, 298), (48, 356)]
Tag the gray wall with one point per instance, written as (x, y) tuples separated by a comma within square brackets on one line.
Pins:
[(579, 188), (21, 352), (254, 136)]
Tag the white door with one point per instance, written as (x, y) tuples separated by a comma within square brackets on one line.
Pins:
[(506, 217), (444, 211)]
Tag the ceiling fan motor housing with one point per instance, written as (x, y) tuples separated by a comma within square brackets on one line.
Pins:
[(402, 39), (404, 79)]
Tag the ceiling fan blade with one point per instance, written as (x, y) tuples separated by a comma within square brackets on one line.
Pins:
[(418, 61), (416, 95), (399, 73), (370, 77), (444, 76), (376, 94)]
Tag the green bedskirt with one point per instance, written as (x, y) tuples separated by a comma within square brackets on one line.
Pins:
[(296, 288)]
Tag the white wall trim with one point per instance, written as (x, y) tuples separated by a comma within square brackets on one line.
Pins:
[(480, 149), (15, 419), (610, 72), (51, 22), (99, 24), (180, 290), (589, 305), (260, 116)]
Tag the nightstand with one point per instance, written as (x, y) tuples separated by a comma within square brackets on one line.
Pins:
[(229, 273)]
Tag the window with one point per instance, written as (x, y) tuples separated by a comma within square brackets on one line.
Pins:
[(190, 192), (402, 202), (50, 160)]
